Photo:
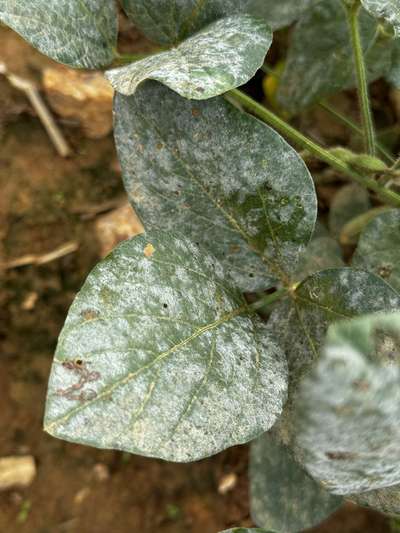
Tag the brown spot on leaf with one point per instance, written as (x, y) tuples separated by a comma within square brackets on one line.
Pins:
[(384, 271), (148, 250), (89, 314), (341, 456), (361, 385), (196, 112)]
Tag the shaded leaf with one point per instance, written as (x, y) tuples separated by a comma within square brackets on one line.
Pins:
[(283, 495), (220, 57), (155, 359), (320, 254), (220, 176), (320, 57), (379, 248), (75, 32), (349, 202), (348, 407), (171, 22), (387, 10), (393, 76)]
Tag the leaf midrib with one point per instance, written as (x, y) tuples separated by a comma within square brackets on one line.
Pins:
[(132, 375)]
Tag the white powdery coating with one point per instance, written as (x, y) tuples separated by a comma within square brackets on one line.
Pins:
[(221, 57), (348, 410), (75, 32), (170, 21), (378, 248), (181, 375), (388, 10), (220, 176), (320, 58)]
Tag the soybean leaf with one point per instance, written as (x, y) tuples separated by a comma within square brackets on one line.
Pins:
[(348, 407), (379, 248), (393, 76), (171, 22), (349, 202), (156, 359), (385, 500), (320, 57), (326, 297), (222, 56), (75, 32), (220, 176), (321, 253), (282, 495), (387, 10)]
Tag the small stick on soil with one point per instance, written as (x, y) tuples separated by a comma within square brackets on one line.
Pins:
[(42, 111), (41, 259)]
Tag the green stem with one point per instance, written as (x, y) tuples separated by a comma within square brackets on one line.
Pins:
[(314, 148), (354, 127), (353, 12), (268, 299)]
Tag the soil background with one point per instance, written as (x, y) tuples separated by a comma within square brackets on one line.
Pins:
[(46, 201)]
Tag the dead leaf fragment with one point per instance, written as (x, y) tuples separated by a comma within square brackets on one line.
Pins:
[(17, 471)]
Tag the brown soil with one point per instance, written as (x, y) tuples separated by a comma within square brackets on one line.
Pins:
[(79, 489)]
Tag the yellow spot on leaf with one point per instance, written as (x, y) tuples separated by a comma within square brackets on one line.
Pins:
[(148, 250)]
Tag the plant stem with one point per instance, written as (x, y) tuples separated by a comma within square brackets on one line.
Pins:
[(353, 12), (351, 125), (314, 148), (268, 299)]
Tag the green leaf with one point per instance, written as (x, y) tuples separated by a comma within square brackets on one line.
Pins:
[(349, 202), (321, 253), (393, 76), (383, 500), (325, 297), (220, 57), (387, 10), (220, 176), (283, 495), (379, 248), (320, 57), (171, 22), (156, 359), (348, 407), (79, 33)]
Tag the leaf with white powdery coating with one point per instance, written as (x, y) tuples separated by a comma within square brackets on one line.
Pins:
[(220, 57), (282, 495), (325, 297), (387, 10), (320, 58), (378, 249), (220, 176), (170, 21), (348, 407), (156, 359), (79, 33)]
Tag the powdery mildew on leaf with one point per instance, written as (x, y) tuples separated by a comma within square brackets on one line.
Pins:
[(348, 407), (171, 21), (320, 57), (218, 175), (282, 495), (177, 373), (321, 253), (383, 500), (79, 33), (387, 10), (323, 298), (220, 57), (378, 249)]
